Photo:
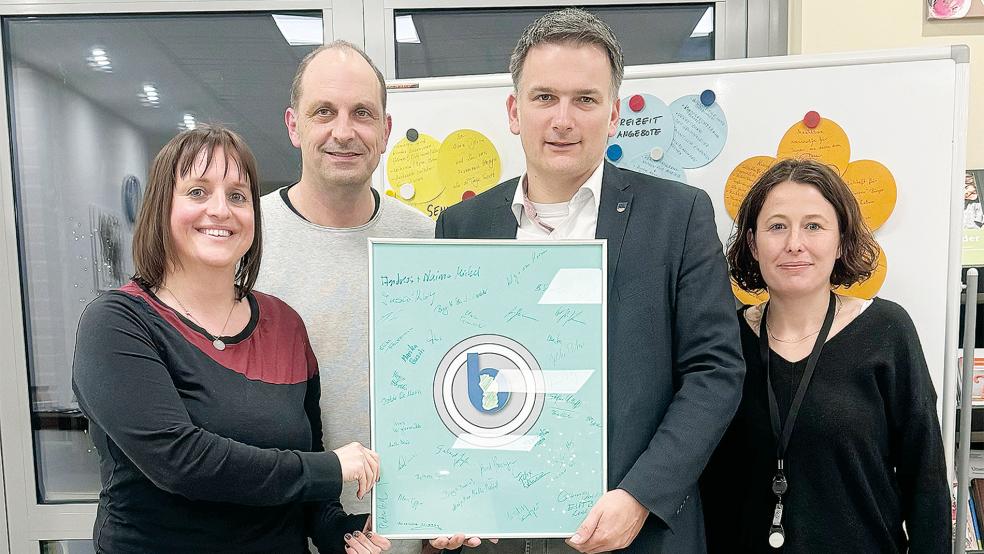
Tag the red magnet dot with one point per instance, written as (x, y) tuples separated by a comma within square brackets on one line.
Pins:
[(637, 103), (811, 119), (467, 194)]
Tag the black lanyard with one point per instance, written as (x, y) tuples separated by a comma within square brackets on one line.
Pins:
[(782, 437), (782, 432)]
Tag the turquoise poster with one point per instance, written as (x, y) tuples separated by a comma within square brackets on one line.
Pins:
[(487, 370)]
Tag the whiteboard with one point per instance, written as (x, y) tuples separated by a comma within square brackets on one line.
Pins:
[(906, 109)]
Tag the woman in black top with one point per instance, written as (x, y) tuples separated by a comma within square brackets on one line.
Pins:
[(203, 394), (836, 444)]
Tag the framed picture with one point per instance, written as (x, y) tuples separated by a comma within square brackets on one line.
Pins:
[(108, 249), (487, 386), (954, 9), (131, 193)]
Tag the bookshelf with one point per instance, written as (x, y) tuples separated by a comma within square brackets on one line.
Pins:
[(969, 435)]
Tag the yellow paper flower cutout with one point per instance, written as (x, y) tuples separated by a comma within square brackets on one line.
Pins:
[(826, 142), (874, 187), (741, 180)]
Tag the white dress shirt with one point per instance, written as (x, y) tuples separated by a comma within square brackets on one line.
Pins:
[(574, 219)]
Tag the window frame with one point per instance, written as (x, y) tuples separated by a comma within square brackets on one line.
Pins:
[(729, 21), (24, 522)]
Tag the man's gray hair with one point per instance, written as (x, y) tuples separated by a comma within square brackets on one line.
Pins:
[(295, 86), (571, 25)]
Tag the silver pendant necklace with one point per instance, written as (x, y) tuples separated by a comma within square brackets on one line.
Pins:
[(216, 340), (803, 338)]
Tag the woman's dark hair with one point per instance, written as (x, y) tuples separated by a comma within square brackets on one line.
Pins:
[(152, 235), (859, 251)]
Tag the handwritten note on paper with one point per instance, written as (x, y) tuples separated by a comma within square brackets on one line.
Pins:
[(827, 142), (662, 141), (874, 187), (741, 180), (664, 168), (699, 131), (431, 175), (415, 163), (468, 161), (487, 405), (639, 131)]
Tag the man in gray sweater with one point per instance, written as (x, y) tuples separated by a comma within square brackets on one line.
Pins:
[(315, 255)]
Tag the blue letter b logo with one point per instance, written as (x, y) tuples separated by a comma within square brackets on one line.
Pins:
[(485, 386)]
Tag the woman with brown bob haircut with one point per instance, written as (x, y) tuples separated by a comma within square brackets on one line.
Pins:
[(202, 394), (836, 444)]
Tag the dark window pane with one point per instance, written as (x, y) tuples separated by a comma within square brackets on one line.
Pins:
[(479, 41), (92, 99)]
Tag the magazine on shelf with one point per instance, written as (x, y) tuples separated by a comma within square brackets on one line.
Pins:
[(977, 393)]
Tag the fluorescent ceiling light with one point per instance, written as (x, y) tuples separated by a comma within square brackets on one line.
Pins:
[(299, 30), (149, 96), (188, 122), (405, 30), (98, 60), (705, 26)]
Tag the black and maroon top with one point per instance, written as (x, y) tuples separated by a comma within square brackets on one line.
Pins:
[(200, 449)]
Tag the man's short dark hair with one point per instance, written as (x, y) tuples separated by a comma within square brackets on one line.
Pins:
[(574, 26)]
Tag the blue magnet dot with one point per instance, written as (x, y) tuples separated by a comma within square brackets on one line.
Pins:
[(707, 97), (412, 135), (614, 153)]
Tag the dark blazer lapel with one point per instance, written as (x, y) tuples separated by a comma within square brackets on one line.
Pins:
[(613, 215), (504, 224)]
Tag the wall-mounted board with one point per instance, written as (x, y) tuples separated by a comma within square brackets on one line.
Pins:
[(904, 109)]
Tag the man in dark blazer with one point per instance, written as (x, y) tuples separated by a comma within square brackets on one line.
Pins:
[(675, 368)]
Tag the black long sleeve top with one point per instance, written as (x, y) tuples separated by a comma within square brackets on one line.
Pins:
[(865, 456), (200, 449)]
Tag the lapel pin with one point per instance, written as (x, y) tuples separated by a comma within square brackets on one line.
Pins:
[(621, 207)]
